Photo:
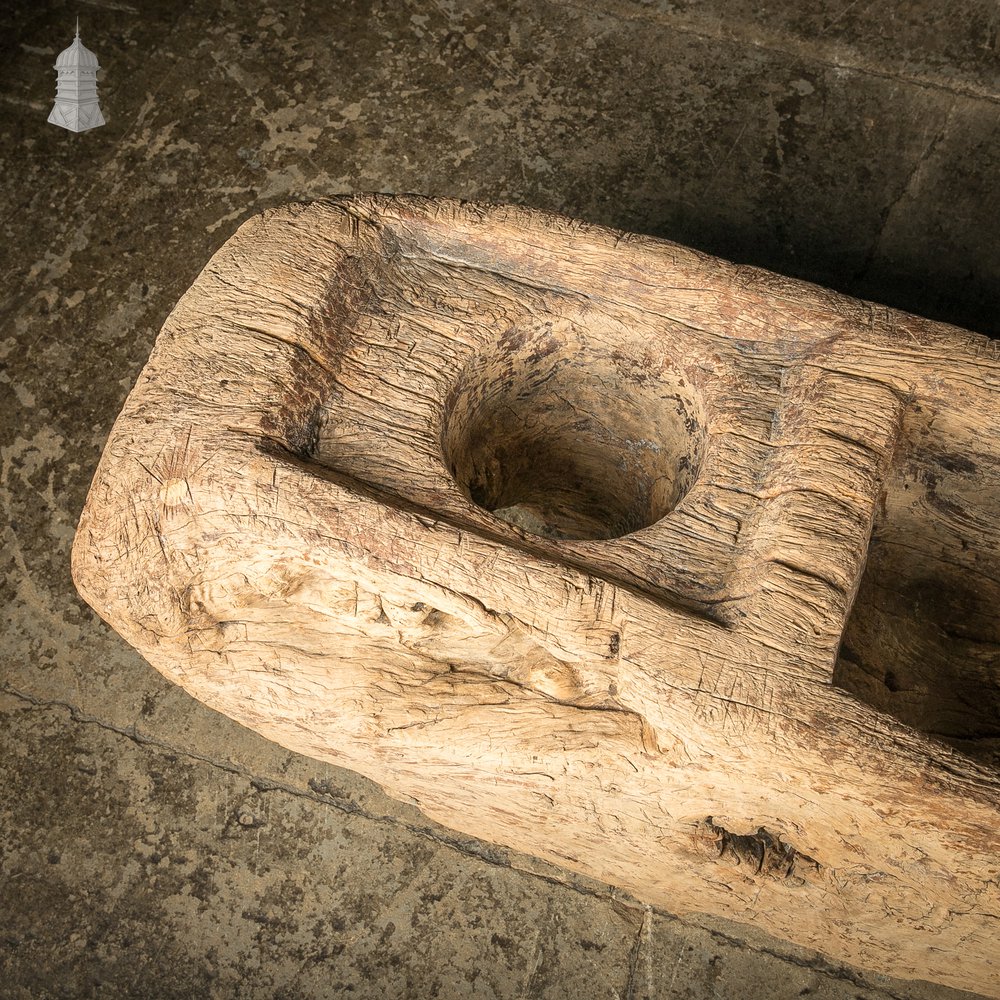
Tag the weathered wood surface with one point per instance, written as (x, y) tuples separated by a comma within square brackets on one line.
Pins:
[(631, 667)]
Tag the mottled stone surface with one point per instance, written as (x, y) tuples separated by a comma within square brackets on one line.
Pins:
[(150, 848)]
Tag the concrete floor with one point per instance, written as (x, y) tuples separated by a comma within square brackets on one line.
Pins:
[(150, 848)]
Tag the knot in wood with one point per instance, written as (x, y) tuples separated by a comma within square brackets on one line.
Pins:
[(763, 853)]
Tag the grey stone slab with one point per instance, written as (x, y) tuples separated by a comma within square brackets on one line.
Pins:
[(934, 218), (131, 871), (680, 960), (951, 46)]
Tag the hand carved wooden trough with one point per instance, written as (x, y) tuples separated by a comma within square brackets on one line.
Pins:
[(673, 572)]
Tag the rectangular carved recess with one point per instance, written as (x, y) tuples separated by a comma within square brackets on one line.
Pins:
[(562, 534)]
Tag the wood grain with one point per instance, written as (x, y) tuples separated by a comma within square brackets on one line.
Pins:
[(677, 573)]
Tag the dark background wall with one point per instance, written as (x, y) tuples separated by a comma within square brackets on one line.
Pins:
[(150, 848), (849, 143)]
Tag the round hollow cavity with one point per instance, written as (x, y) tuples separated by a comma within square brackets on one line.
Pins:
[(573, 433)]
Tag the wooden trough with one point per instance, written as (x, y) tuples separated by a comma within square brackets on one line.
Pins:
[(673, 572)]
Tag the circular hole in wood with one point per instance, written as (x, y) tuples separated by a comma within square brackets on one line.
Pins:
[(573, 433)]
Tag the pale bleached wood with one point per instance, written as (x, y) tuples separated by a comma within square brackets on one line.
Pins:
[(283, 522)]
